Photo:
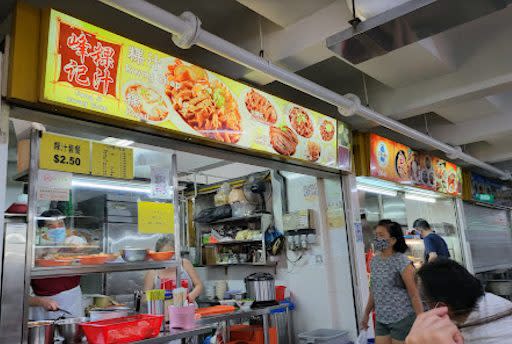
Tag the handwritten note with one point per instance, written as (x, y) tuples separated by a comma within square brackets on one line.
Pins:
[(156, 218)]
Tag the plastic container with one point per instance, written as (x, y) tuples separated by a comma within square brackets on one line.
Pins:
[(324, 336), (182, 317), (123, 330), (280, 291)]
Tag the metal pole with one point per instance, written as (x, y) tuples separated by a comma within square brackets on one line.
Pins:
[(168, 22), (177, 223)]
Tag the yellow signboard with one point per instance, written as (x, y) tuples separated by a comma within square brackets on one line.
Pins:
[(64, 153), (112, 161), (155, 218), (91, 69)]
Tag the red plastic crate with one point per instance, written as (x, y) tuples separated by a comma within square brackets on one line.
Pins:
[(123, 330)]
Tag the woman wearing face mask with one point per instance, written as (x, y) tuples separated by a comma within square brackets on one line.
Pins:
[(393, 292), (52, 294)]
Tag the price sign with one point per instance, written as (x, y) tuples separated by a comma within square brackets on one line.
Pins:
[(64, 153), (112, 161), (155, 218)]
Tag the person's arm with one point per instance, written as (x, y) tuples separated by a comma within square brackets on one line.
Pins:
[(367, 311), (432, 256), (434, 327), (198, 284), (412, 289), (430, 250), (43, 301)]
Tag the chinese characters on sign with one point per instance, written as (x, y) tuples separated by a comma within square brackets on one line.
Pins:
[(88, 62), (112, 161), (161, 183), (64, 153)]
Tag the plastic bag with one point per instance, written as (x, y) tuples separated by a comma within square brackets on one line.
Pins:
[(363, 337)]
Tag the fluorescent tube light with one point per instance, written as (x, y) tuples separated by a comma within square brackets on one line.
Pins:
[(117, 142), (420, 198), (109, 185), (376, 190)]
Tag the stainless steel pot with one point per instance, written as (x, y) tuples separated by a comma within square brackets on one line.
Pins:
[(134, 254), (41, 332), (499, 287), (71, 330), (260, 287)]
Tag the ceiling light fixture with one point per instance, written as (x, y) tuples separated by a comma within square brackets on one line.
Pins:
[(376, 190), (419, 198), (117, 142)]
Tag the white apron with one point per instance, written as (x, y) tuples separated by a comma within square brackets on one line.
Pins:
[(69, 300)]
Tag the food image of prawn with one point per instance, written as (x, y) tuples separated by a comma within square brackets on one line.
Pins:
[(207, 106), (260, 107), (301, 122), (314, 151), (146, 103), (327, 130), (284, 140)]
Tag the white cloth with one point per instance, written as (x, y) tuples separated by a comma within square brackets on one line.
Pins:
[(496, 332), (69, 300)]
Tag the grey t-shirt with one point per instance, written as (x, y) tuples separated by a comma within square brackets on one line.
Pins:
[(392, 302)]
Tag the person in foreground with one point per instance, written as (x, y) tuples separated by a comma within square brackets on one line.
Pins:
[(436, 327), (435, 246), (482, 318), (393, 292)]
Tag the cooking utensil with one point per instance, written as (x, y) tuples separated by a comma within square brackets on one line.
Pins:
[(65, 311), (134, 254), (260, 287), (41, 332), (71, 330)]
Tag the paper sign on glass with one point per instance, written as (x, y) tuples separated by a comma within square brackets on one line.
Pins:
[(156, 218), (161, 183), (53, 186)]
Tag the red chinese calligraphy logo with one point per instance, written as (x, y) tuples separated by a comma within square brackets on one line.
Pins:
[(88, 62)]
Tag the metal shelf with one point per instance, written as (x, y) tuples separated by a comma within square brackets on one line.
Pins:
[(236, 219), (166, 337), (234, 242), (73, 270)]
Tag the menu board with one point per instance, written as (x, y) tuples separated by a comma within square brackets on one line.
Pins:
[(91, 69), (390, 160), (112, 161), (398, 163), (64, 153)]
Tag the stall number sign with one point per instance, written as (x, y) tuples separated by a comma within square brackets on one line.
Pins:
[(155, 218), (112, 161), (66, 154)]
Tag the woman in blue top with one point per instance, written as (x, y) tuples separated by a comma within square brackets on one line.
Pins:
[(393, 292)]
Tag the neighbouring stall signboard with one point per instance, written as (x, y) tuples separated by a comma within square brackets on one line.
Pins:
[(64, 153), (490, 191), (112, 161), (396, 162), (155, 218), (91, 69)]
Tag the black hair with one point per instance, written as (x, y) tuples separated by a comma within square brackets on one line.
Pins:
[(444, 280), (421, 224), (49, 213), (395, 231)]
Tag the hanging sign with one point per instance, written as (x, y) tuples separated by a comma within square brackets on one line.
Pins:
[(161, 183), (155, 218), (64, 153), (390, 160), (112, 161), (53, 186), (90, 69), (488, 190)]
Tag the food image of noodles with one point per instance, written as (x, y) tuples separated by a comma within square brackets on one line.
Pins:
[(301, 122), (207, 106), (314, 151), (146, 103), (284, 140), (401, 165), (327, 130), (260, 107)]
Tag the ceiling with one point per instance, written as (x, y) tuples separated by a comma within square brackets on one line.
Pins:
[(456, 85)]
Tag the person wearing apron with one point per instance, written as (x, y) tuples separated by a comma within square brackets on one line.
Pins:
[(52, 294)]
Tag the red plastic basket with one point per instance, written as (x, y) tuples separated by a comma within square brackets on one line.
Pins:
[(123, 330)]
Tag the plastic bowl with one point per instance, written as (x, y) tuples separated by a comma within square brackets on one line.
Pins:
[(53, 262), (94, 260), (166, 255)]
